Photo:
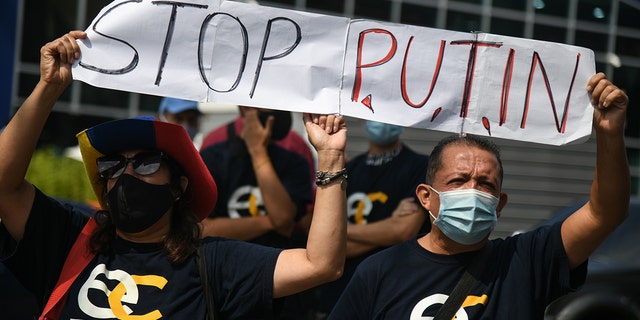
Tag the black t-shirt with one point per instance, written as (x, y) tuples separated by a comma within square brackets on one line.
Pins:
[(523, 274), (373, 193), (136, 279), (238, 192)]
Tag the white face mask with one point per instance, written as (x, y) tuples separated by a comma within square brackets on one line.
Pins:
[(466, 216)]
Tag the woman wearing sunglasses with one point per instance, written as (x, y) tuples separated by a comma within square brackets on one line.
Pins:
[(140, 256)]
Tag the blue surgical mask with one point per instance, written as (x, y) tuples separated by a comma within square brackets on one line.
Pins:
[(383, 134), (466, 216)]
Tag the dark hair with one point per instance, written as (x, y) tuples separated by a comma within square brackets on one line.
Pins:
[(435, 158), (183, 237)]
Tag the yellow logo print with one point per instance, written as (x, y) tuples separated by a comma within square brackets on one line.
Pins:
[(118, 293)]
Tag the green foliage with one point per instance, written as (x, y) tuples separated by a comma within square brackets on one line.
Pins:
[(59, 176)]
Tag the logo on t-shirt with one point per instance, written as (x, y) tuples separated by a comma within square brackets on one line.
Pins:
[(439, 299), (126, 291), (246, 201), (360, 204)]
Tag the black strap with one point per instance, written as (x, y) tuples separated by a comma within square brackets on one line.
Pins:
[(212, 312), (460, 292)]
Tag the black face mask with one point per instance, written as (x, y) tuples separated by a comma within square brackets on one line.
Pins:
[(281, 123), (135, 205)]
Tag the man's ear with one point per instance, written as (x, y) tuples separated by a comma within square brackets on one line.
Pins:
[(501, 203), (423, 194)]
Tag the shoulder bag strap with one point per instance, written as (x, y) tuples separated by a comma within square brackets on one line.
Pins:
[(461, 290), (212, 312), (77, 259)]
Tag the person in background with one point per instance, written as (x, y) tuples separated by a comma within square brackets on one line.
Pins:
[(140, 255), (382, 208), (264, 188), (267, 185), (184, 113), (291, 141), (464, 198)]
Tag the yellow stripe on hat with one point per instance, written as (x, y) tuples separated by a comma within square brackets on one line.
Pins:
[(89, 156)]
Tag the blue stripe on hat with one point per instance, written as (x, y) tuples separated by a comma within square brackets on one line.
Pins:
[(108, 139)]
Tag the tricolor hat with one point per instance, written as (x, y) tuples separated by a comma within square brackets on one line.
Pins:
[(129, 134)]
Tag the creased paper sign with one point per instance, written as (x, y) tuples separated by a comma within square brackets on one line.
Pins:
[(238, 53)]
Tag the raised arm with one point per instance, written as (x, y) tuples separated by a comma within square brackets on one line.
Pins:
[(281, 210), (19, 138), (323, 259), (608, 203)]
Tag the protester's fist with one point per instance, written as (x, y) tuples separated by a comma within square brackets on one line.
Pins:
[(610, 104), (57, 56), (326, 132)]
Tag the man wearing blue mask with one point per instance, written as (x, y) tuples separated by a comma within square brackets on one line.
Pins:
[(517, 276), (184, 113), (382, 209)]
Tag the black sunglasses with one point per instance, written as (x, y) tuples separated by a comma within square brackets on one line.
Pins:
[(144, 163)]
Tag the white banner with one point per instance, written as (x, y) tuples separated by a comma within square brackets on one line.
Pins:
[(238, 53)]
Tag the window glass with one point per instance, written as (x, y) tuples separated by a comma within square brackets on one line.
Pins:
[(326, 5), (464, 22), (594, 11), (470, 1), (104, 97), (558, 8), (44, 21), (629, 16), (93, 8), (418, 15), (507, 27), (279, 3), (373, 9), (628, 46), (548, 33), (591, 40), (509, 4), (627, 78)]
